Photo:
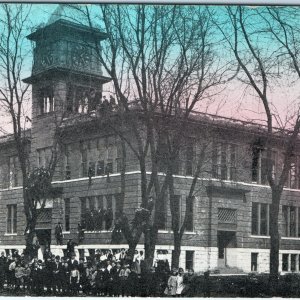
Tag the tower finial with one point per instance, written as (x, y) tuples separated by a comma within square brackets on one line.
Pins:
[(59, 13)]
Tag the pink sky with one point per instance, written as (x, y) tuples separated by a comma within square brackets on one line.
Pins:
[(236, 101)]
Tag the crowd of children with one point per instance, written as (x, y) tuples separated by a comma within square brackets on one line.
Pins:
[(107, 273)]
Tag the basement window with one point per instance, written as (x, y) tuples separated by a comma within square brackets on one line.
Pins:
[(285, 262), (254, 259), (189, 260)]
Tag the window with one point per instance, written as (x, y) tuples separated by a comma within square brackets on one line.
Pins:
[(100, 167), (67, 163), (84, 171), (189, 157), (177, 166), (190, 215), (82, 99), (119, 202), (177, 207), (162, 216), (96, 161), (291, 224), (214, 161), (13, 171), (293, 180), (119, 157), (285, 262), (255, 218), (44, 155), (91, 170), (162, 157), (255, 162), (67, 214), (109, 167), (264, 219), (177, 162), (232, 162), (254, 257), (260, 218), (290, 262), (264, 166), (260, 164), (189, 260), (224, 161), (293, 262), (97, 212), (83, 213), (11, 219), (46, 101), (181, 210)]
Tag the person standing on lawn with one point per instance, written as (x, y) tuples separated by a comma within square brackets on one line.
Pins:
[(172, 284)]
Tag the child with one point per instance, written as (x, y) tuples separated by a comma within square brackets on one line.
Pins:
[(172, 284), (189, 281), (65, 278), (180, 284), (26, 277), (19, 273), (74, 280)]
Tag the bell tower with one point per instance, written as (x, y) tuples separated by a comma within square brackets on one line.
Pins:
[(66, 77)]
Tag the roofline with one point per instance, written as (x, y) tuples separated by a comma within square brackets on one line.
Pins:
[(214, 121), (9, 138), (65, 23), (31, 79)]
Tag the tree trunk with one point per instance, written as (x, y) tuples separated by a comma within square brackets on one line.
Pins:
[(30, 221), (177, 251), (131, 251), (150, 243), (150, 256), (29, 236), (274, 241)]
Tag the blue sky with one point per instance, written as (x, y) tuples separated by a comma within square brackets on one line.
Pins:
[(236, 98)]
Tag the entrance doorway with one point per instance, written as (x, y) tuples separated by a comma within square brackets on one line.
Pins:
[(43, 229), (226, 240), (44, 238)]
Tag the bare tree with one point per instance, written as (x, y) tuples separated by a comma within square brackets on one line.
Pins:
[(260, 52), (162, 64), (14, 99)]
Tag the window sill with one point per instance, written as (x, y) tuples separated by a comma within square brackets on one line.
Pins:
[(290, 238), (260, 236), (259, 183), (98, 231), (10, 234), (171, 231), (66, 232), (14, 187)]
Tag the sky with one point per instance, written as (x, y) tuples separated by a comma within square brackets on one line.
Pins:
[(238, 100)]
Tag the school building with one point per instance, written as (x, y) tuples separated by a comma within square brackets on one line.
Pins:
[(229, 227)]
